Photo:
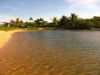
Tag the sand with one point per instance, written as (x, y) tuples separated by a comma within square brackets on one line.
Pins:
[(6, 35)]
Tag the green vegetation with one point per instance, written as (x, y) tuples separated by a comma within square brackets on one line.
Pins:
[(69, 23), (5, 28)]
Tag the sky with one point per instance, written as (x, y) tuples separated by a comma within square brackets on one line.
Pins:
[(23, 9)]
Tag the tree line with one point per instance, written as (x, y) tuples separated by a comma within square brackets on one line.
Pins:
[(73, 22)]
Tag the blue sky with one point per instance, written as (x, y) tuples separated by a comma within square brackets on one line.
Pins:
[(10, 9)]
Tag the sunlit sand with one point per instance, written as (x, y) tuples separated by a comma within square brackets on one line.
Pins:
[(6, 35)]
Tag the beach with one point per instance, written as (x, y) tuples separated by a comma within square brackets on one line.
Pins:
[(6, 35), (50, 53)]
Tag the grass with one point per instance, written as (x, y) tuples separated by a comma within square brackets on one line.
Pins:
[(10, 28), (5, 28)]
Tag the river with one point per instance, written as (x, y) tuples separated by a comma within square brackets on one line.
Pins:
[(54, 52)]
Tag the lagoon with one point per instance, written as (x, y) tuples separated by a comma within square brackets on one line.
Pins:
[(51, 52)]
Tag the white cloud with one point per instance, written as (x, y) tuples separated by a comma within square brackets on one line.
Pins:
[(93, 4), (5, 18)]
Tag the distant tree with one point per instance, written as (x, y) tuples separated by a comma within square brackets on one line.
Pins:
[(17, 22), (96, 21), (63, 22), (81, 24), (39, 22), (31, 19), (88, 24), (21, 23), (12, 23), (31, 23), (72, 22), (55, 22), (73, 19)]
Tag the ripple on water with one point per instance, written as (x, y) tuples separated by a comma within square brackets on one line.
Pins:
[(51, 53)]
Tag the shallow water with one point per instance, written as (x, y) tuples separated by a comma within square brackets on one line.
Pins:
[(56, 52)]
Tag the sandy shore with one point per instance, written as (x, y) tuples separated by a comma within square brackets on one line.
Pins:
[(50, 53), (6, 35)]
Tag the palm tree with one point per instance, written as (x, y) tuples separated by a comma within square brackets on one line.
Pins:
[(17, 21), (73, 19), (39, 22), (12, 22), (64, 22), (31, 19), (55, 21)]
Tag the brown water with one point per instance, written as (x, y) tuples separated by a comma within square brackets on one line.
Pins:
[(52, 53)]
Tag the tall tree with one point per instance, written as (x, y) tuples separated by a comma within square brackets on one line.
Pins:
[(73, 19), (63, 23), (39, 22), (12, 22), (31, 19), (96, 21), (55, 22), (17, 22)]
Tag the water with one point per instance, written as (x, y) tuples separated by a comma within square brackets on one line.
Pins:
[(56, 52)]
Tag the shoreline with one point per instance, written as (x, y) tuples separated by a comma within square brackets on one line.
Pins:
[(6, 35)]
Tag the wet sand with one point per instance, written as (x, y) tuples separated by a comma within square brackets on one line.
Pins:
[(28, 55)]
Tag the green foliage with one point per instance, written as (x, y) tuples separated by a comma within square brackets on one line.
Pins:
[(6, 28), (40, 22), (63, 22), (72, 22), (55, 22), (96, 21), (30, 18)]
